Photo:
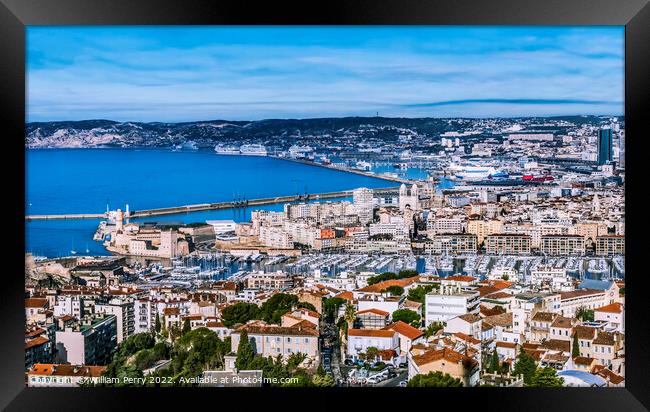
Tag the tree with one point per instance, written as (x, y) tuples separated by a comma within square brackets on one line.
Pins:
[(157, 323), (432, 329), (546, 378), (186, 327), (240, 312), (350, 314), (525, 366), (306, 305), (407, 316), (245, 352), (407, 273), (417, 294), (320, 371), (323, 380), (371, 353), (380, 278), (434, 379), (395, 290), (331, 307), (575, 351), (505, 277), (585, 314), (495, 365), (276, 306)]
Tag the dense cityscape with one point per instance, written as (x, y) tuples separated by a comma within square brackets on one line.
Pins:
[(493, 256)]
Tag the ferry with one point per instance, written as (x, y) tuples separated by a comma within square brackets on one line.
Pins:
[(472, 172), (226, 150), (253, 150)]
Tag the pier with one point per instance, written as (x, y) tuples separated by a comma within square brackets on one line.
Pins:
[(350, 170), (209, 206)]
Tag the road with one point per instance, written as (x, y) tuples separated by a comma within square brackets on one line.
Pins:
[(402, 376)]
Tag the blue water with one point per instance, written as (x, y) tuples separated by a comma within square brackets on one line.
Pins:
[(82, 180)]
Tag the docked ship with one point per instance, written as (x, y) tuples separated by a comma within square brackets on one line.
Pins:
[(472, 172), (253, 150), (226, 150)]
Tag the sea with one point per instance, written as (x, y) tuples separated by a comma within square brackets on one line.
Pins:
[(62, 181)]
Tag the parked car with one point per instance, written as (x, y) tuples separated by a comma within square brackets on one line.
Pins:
[(373, 380), (402, 384), (348, 362)]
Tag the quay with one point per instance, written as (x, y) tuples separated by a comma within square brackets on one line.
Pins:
[(349, 170), (209, 206)]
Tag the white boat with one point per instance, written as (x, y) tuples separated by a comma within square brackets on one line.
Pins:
[(253, 150), (226, 150), (472, 172)]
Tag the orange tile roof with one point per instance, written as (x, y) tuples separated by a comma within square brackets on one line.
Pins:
[(35, 302), (447, 354), (40, 340), (611, 308), (345, 295), (48, 369), (375, 333), (466, 338), (405, 329), (459, 278), (378, 287), (373, 310)]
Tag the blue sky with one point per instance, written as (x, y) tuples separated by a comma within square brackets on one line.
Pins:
[(173, 74)]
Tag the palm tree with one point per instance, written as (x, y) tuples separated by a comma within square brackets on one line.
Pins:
[(350, 315)]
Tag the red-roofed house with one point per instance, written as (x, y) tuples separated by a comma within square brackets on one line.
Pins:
[(359, 340), (469, 324), (408, 336), (371, 319), (614, 313)]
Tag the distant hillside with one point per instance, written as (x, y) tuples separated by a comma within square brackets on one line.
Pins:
[(108, 133)]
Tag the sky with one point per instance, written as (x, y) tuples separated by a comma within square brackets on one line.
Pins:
[(191, 73)]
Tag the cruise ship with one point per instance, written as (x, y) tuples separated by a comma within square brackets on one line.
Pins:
[(253, 150), (226, 150), (472, 172)]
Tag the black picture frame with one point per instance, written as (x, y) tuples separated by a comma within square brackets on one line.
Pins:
[(16, 14)]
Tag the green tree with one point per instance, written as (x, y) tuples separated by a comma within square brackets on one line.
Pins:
[(418, 293), (245, 352), (320, 371), (276, 306), (407, 273), (546, 378), (382, 277), (525, 366), (434, 379), (350, 314), (306, 305), (331, 307), (157, 323), (372, 353), (432, 329), (585, 314), (394, 290), (575, 351), (240, 312), (505, 277), (323, 380), (186, 327), (495, 365), (407, 316)]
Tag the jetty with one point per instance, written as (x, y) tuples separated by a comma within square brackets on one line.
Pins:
[(244, 203)]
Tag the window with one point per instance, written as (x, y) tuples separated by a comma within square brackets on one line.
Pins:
[(288, 339), (306, 340)]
